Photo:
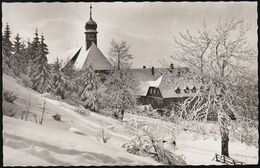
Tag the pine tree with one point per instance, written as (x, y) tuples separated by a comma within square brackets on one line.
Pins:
[(7, 49), (33, 51), (88, 92), (60, 81), (28, 53), (19, 61), (41, 74), (35, 46)]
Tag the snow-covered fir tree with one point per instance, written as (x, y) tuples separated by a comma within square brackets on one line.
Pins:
[(19, 60), (33, 51), (61, 82), (41, 75), (6, 49), (88, 90), (28, 53)]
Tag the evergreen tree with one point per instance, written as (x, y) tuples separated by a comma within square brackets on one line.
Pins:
[(88, 91), (19, 63), (41, 75), (33, 50), (35, 46), (60, 81), (28, 53), (7, 49)]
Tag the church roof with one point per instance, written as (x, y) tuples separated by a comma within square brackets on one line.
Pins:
[(93, 56)]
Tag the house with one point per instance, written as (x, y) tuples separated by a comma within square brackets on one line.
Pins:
[(161, 94)]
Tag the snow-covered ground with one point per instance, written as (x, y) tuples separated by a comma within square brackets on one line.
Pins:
[(26, 143)]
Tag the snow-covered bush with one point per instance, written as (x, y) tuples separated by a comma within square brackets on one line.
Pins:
[(57, 117), (146, 143), (28, 115), (73, 100), (8, 110), (82, 111), (245, 133), (103, 134), (9, 96), (47, 95)]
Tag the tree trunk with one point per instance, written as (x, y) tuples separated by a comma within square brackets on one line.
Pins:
[(224, 142), (122, 113)]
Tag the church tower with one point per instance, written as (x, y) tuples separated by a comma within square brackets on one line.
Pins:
[(91, 31)]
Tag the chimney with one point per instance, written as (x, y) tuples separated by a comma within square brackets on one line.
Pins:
[(171, 66), (152, 70), (144, 67)]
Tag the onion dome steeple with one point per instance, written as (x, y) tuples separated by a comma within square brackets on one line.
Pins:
[(91, 31), (91, 24)]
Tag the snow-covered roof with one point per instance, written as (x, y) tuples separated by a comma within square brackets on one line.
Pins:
[(156, 83), (95, 58), (66, 56)]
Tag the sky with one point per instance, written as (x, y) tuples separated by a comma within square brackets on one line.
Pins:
[(148, 27)]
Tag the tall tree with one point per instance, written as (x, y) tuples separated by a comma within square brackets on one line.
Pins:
[(28, 53), (220, 58), (7, 49), (41, 75), (19, 60), (119, 53), (62, 84), (119, 86), (88, 92), (33, 52)]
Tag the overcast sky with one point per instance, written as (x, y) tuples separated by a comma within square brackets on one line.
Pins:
[(147, 27)]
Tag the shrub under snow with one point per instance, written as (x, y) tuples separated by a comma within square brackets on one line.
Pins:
[(83, 111), (146, 143), (9, 96)]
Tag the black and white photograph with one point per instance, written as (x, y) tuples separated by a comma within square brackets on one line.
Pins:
[(130, 83)]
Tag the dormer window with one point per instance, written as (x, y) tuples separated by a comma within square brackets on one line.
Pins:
[(177, 90), (151, 90), (186, 90), (193, 90), (178, 74)]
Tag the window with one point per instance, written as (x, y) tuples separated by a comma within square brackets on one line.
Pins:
[(177, 90), (186, 90), (158, 92), (178, 74), (193, 90), (151, 90)]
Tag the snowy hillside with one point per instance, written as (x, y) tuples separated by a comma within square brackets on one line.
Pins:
[(26, 143)]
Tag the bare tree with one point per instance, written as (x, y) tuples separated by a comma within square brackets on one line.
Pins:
[(119, 52), (218, 59), (193, 50)]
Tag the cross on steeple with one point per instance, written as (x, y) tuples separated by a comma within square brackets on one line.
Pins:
[(90, 11)]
